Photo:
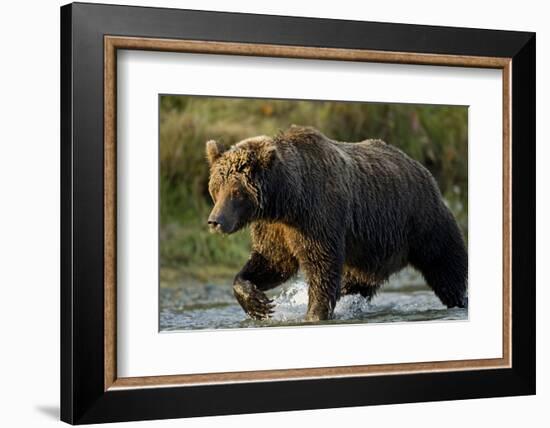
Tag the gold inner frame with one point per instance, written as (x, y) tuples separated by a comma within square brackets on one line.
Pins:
[(112, 43)]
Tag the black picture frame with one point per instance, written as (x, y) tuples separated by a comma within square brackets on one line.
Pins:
[(83, 398)]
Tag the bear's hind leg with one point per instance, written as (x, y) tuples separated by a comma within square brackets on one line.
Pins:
[(448, 284), (444, 263)]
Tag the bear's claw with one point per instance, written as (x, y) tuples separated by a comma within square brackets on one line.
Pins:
[(253, 301)]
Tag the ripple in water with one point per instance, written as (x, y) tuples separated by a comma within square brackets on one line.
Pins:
[(214, 307)]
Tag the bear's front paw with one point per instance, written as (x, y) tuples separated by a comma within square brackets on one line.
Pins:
[(316, 313), (253, 301)]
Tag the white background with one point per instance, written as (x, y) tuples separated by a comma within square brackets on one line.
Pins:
[(29, 226), (142, 351)]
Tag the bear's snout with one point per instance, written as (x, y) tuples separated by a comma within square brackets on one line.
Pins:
[(216, 223), (223, 219), (230, 213)]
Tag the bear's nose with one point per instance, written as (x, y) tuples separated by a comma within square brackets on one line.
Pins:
[(215, 222)]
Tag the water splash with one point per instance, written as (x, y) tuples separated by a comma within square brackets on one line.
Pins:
[(404, 299), (291, 304)]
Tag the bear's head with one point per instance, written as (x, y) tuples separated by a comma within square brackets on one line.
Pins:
[(238, 179)]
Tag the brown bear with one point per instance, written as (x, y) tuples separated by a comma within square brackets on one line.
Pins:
[(347, 214)]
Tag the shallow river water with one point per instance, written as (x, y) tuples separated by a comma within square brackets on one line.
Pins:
[(214, 307)]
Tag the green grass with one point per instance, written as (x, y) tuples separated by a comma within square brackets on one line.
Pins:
[(434, 135)]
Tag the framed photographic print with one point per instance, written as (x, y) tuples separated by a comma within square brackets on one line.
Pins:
[(265, 213)]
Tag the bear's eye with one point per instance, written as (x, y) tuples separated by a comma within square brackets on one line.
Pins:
[(244, 166)]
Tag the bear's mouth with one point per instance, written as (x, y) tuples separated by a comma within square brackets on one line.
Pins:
[(215, 228), (222, 229)]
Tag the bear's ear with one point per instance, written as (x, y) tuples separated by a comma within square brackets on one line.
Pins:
[(213, 151)]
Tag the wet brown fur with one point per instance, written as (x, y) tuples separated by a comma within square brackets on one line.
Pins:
[(347, 214)]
